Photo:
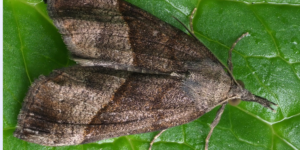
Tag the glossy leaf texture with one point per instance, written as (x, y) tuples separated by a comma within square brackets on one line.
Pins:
[(267, 61)]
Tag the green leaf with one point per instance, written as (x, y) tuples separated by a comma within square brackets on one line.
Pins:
[(267, 61)]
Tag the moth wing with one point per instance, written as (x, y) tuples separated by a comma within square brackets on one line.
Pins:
[(116, 34), (86, 104)]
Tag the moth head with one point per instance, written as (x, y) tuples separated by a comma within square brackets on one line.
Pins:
[(236, 102)]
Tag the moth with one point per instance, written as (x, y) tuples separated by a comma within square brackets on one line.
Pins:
[(136, 74)]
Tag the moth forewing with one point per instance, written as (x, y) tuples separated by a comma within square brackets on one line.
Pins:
[(86, 104)]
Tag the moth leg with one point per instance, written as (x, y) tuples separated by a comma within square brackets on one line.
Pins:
[(191, 20), (156, 138), (229, 62), (214, 124)]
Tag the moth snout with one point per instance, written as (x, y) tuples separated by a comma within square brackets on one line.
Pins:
[(248, 96)]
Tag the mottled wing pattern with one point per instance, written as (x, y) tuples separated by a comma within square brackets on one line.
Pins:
[(144, 103), (115, 93), (116, 34), (139, 75), (85, 104)]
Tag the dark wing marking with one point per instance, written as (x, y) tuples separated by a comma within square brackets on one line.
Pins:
[(114, 31), (85, 104)]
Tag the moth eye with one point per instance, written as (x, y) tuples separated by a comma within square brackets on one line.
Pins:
[(241, 83), (234, 102)]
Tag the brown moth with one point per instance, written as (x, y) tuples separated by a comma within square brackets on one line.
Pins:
[(137, 74)]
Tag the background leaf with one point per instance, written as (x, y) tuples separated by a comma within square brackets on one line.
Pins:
[(267, 61)]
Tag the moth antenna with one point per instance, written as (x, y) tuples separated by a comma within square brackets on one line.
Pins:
[(229, 62), (185, 27), (191, 20), (156, 138), (214, 124), (230, 67)]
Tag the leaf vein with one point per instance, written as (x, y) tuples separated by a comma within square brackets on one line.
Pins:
[(22, 47)]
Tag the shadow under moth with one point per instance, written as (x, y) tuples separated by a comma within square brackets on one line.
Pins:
[(135, 74)]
